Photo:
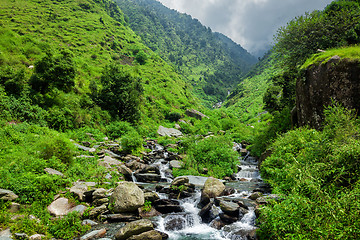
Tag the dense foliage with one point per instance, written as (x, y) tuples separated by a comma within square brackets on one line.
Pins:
[(210, 61), (317, 174)]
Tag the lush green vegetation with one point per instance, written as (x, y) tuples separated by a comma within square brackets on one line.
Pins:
[(317, 175), (55, 62), (210, 61)]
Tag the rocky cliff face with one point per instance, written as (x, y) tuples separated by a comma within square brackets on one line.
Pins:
[(338, 79)]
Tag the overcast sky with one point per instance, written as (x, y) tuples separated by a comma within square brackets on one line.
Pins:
[(251, 23)]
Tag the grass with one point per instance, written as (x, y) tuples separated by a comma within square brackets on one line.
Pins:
[(323, 57)]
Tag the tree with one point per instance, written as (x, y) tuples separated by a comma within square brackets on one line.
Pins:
[(121, 93), (54, 72)]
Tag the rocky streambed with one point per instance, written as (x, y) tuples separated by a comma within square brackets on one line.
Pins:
[(151, 204)]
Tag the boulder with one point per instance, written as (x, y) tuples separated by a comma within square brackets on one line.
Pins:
[(167, 206), (127, 197), (255, 195), (108, 162), (170, 132), (99, 193), (61, 207), (134, 228), (149, 235), (78, 189), (228, 219), (230, 208), (7, 195), (148, 177), (213, 187)]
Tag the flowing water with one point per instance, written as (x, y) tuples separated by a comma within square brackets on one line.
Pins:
[(188, 224)]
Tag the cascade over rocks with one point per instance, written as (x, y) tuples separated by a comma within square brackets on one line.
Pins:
[(337, 79)]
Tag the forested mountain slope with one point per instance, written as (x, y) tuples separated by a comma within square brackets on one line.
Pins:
[(57, 59), (211, 62)]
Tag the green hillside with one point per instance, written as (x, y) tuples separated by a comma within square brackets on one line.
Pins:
[(83, 37), (210, 61)]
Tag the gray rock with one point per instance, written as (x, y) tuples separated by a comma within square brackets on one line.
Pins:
[(94, 234), (149, 235), (255, 195), (151, 196), (99, 193), (36, 237), (60, 207), (14, 207), (175, 164), (6, 234), (78, 189), (180, 181), (196, 114), (148, 177), (134, 228), (127, 197), (108, 162), (170, 132), (98, 211), (213, 187), (100, 201), (53, 172), (89, 222), (7, 195), (124, 170), (21, 236), (230, 208)]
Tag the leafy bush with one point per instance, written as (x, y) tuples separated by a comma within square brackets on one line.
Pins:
[(68, 227), (214, 153), (132, 142), (318, 172), (118, 128)]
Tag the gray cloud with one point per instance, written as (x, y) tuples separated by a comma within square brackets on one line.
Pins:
[(251, 23)]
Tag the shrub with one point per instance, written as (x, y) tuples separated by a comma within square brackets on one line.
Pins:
[(68, 227), (118, 128), (132, 142)]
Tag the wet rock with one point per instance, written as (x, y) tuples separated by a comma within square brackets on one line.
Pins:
[(205, 213), (53, 172), (228, 191), (134, 228), (124, 170), (175, 222), (94, 234), (230, 208), (167, 206), (217, 224), (227, 219), (127, 197), (170, 132), (213, 187), (255, 195), (7, 195), (151, 196), (180, 181), (148, 177), (150, 235)]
